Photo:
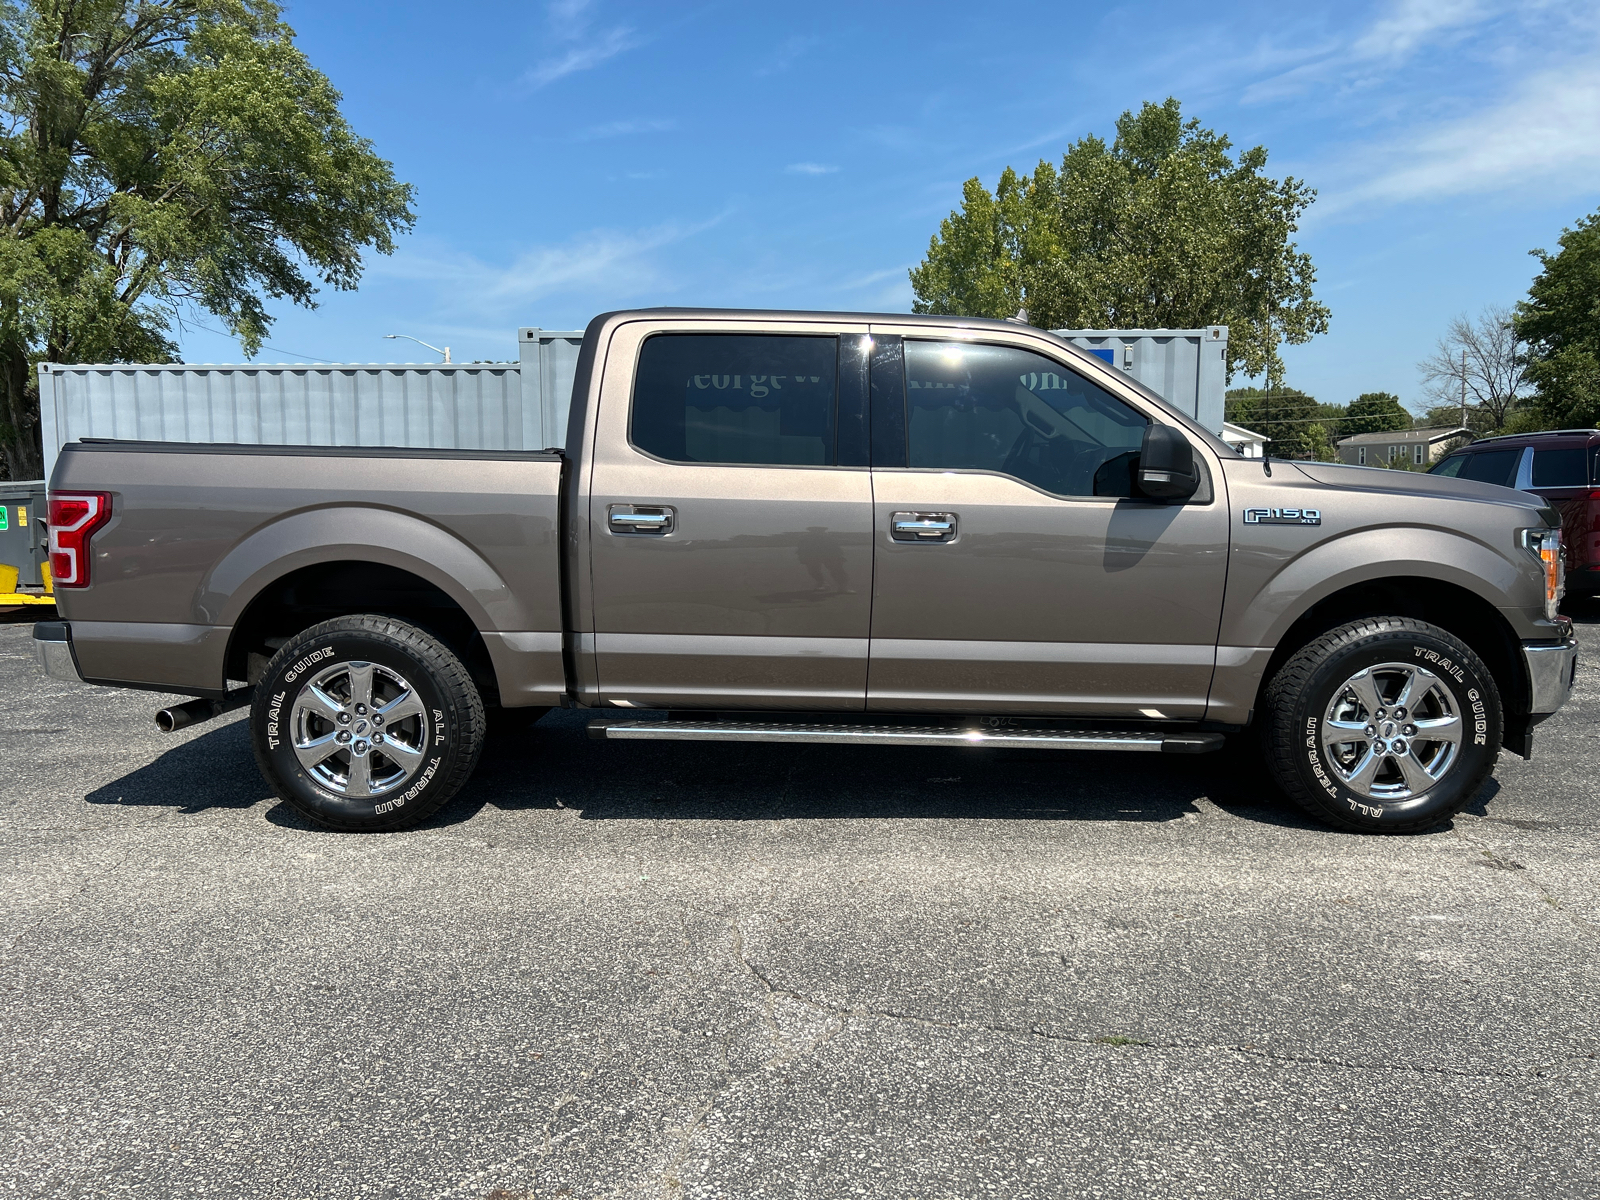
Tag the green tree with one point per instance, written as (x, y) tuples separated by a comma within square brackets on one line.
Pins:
[(161, 156), (1374, 412), (1288, 416), (1560, 321), (1164, 228)]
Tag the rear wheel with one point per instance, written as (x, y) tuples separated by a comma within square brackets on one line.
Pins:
[(366, 723), (1384, 725)]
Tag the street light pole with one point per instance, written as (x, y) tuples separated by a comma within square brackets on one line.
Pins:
[(445, 352)]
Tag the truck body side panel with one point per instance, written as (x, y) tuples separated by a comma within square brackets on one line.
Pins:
[(197, 533)]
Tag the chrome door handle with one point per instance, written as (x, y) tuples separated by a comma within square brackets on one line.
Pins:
[(649, 519), (922, 527)]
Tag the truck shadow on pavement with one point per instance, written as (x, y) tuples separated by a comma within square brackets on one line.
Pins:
[(211, 771), (555, 765)]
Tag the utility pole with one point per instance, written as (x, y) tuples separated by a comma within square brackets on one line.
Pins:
[(1463, 389)]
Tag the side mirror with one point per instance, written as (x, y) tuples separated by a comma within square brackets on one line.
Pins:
[(1166, 468)]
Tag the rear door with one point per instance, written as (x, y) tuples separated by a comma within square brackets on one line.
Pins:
[(730, 517), (1014, 573)]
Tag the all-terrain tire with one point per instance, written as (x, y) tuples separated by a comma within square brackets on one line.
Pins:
[(366, 723), (1335, 744)]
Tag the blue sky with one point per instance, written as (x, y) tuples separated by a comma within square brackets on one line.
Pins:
[(580, 155)]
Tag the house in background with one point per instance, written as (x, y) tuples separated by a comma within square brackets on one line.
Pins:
[(1245, 441), (1413, 447)]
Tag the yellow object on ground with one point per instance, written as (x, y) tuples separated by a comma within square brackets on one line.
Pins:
[(8, 588)]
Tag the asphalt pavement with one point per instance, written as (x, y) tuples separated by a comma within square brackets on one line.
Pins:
[(681, 970)]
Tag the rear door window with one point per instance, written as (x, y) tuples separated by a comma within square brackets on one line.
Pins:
[(1492, 466), (1560, 467), (760, 399)]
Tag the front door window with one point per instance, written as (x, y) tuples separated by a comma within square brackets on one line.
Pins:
[(1003, 409)]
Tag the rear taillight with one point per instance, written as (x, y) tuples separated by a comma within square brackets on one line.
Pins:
[(74, 516)]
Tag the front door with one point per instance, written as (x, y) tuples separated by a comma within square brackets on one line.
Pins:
[(1014, 572), (731, 552)]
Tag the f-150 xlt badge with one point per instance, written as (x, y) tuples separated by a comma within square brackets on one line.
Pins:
[(1283, 516)]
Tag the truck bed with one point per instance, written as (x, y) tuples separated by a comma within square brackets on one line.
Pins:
[(207, 541)]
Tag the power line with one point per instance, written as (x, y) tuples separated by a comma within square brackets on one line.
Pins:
[(277, 349)]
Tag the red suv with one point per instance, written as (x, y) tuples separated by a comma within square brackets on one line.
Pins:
[(1563, 466)]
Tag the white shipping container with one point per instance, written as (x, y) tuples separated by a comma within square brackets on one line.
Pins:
[(468, 406), (1188, 368)]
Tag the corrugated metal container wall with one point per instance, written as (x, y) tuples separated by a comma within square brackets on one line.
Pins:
[(467, 406), (1186, 367)]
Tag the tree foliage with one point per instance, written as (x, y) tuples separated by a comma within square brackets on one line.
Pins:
[(1374, 412), (1292, 419), (163, 154), (1163, 228), (1560, 321)]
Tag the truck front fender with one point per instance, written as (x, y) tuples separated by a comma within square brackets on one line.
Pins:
[(1274, 592), (1269, 591)]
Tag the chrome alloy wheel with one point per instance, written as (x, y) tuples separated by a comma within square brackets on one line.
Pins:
[(359, 729), (1392, 731)]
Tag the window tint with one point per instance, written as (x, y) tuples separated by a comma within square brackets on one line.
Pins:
[(736, 398), (1492, 466), (1450, 466), (995, 408), (1560, 468)]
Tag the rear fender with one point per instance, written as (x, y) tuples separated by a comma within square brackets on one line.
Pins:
[(363, 534)]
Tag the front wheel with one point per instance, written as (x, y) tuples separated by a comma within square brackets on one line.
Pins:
[(366, 723), (1384, 725)]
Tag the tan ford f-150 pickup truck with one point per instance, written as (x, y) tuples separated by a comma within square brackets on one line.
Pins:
[(821, 527)]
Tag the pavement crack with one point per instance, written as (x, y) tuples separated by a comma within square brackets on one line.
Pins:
[(844, 1013), (1491, 857)]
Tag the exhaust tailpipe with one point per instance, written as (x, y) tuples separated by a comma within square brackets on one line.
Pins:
[(192, 713)]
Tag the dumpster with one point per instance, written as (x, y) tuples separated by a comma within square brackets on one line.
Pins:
[(24, 554)]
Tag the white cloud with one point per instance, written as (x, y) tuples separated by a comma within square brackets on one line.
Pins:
[(570, 21), (1404, 28), (874, 277), (1411, 24), (1543, 139), (612, 263), (810, 168)]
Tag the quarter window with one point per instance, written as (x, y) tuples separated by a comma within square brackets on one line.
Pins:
[(760, 399), (1563, 468), (998, 408)]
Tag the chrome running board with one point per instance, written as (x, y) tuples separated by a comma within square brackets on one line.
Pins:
[(1151, 741)]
